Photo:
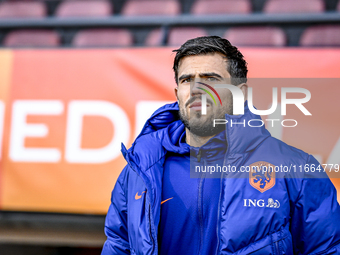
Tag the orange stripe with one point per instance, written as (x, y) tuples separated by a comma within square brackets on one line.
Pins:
[(166, 200)]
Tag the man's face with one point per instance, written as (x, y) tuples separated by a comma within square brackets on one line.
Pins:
[(210, 69)]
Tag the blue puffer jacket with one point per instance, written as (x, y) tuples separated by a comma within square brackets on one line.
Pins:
[(288, 216)]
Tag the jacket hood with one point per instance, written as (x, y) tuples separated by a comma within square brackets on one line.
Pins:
[(164, 132), (165, 127), (245, 132)]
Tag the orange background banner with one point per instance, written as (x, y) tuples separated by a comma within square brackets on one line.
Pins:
[(65, 112)]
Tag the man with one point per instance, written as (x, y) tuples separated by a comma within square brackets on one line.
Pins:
[(158, 209)]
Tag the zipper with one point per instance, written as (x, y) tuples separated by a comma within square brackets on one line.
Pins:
[(200, 198), (150, 230), (199, 155), (218, 215), (221, 191), (200, 210), (149, 215), (277, 248)]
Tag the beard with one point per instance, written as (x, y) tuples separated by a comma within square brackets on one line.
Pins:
[(195, 123)]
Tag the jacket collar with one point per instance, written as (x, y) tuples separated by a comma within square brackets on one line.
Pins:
[(247, 134), (164, 132)]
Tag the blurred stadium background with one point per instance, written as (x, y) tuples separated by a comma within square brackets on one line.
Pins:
[(33, 30), (126, 23)]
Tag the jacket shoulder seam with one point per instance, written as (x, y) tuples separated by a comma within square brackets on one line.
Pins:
[(155, 162)]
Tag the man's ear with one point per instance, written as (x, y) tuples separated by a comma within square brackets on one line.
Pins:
[(244, 88), (176, 91)]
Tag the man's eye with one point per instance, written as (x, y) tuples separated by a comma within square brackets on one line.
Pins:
[(212, 79), (186, 80)]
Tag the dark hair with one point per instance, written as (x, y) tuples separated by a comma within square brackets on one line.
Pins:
[(236, 65)]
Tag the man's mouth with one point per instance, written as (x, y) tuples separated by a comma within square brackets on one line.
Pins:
[(196, 106)]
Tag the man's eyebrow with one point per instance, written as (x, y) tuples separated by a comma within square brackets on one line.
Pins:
[(185, 76), (212, 74)]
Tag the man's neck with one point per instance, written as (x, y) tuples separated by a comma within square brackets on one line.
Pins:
[(195, 140)]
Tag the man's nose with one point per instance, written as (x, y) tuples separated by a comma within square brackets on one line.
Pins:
[(196, 88)]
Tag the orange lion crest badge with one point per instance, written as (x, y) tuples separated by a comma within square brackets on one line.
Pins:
[(262, 175)]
